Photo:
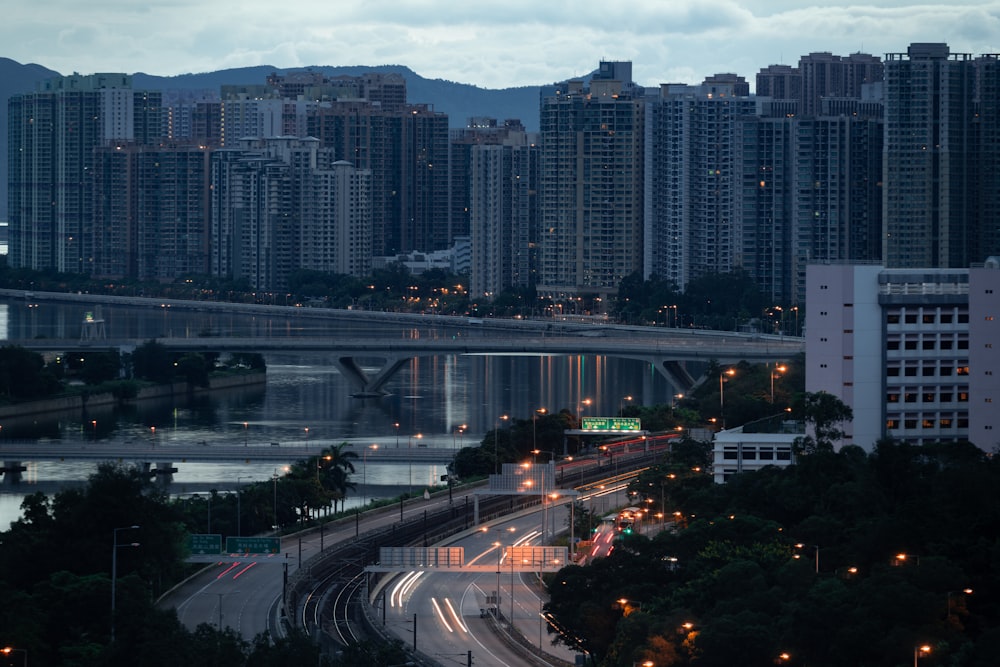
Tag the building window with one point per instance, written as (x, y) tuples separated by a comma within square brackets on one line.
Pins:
[(963, 397), (927, 423), (748, 454), (946, 318), (892, 398), (963, 318), (963, 422), (947, 397), (729, 454), (945, 423), (928, 397), (963, 370), (928, 318), (891, 423), (911, 318), (910, 371), (928, 371), (911, 345), (892, 319), (892, 372), (947, 344), (766, 454), (784, 454), (909, 423), (928, 345), (892, 345)]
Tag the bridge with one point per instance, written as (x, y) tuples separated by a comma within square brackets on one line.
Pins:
[(667, 350)]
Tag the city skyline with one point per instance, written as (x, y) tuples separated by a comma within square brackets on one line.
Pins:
[(677, 42)]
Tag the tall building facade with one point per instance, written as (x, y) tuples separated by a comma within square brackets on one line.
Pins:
[(283, 204), (151, 211), (930, 160), (911, 351), (503, 209), (694, 178), (52, 135), (592, 171)]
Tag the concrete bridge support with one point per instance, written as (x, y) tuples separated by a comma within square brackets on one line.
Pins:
[(12, 471), (367, 386)]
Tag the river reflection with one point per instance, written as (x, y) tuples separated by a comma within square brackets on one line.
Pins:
[(450, 400)]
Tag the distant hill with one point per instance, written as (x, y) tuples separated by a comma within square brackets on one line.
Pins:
[(459, 100)]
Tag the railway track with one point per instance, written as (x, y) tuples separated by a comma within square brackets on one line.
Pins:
[(327, 600)]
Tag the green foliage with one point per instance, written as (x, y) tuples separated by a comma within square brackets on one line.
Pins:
[(152, 361), (23, 375), (732, 567)]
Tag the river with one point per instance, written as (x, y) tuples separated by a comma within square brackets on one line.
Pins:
[(449, 400)]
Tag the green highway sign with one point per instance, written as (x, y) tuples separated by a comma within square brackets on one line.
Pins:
[(205, 544), (253, 545), (610, 424)]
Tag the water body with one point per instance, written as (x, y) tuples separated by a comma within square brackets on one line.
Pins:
[(449, 400)]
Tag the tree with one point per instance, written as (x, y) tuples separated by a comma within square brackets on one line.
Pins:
[(825, 412)]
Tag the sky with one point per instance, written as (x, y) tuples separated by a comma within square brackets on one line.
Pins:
[(492, 45)]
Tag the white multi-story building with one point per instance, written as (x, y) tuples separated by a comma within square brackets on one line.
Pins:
[(915, 353)]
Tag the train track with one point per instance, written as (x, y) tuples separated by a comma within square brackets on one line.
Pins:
[(328, 599)]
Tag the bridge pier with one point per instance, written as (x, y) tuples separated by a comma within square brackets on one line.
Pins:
[(367, 386), (11, 471), (164, 470)]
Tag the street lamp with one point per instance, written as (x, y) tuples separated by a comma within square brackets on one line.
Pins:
[(239, 513), (966, 591), (534, 418), (409, 445), (114, 571), (396, 426), (722, 394), (778, 369), (7, 650), (919, 652), (246, 427), (814, 546), (496, 446), (364, 479), (621, 404), (628, 606)]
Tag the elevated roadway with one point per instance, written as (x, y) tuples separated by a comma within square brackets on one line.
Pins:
[(669, 351)]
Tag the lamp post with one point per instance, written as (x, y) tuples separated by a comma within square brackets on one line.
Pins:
[(246, 427), (722, 394), (364, 478), (496, 445), (409, 445), (396, 426), (152, 436), (919, 652), (966, 591), (774, 374), (816, 549), (274, 478), (239, 513), (621, 404), (534, 436), (114, 571), (7, 650)]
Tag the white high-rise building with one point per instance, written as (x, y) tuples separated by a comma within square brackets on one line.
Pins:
[(913, 352)]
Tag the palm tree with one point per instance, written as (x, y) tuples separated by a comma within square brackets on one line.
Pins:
[(335, 465)]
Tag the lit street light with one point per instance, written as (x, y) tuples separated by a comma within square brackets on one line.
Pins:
[(722, 394), (239, 513), (114, 571), (496, 446), (364, 479), (409, 445), (774, 374), (919, 652), (7, 650)]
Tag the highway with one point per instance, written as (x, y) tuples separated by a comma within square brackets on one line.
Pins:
[(244, 593), (455, 612)]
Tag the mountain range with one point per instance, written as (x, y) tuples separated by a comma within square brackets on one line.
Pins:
[(460, 101)]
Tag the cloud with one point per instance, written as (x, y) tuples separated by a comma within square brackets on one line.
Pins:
[(519, 42)]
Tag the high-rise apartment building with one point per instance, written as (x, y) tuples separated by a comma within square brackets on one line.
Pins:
[(591, 176), (911, 351), (52, 135), (150, 211), (694, 177), (283, 204), (408, 154), (931, 160), (503, 210)]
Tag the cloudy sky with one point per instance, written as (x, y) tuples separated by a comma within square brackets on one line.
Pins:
[(489, 44)]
